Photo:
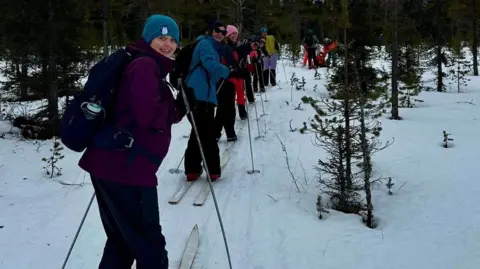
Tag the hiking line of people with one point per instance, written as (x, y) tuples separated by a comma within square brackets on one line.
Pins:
[(122, 123), (318, 54)]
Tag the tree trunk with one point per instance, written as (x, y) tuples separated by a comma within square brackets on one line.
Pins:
[(190, 24), (239, 15), (52, 69), (439, 48), (395, 115), (367, 165), (144, 9), (475, 38), (22, 73), (106, 51), (348, 137)]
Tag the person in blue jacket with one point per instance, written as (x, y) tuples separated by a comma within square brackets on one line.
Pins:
[(206, 70)]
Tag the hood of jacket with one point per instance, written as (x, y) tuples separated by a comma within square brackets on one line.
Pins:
[(165, 64)]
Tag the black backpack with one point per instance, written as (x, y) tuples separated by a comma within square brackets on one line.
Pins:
[(183, 60), (309, 40)]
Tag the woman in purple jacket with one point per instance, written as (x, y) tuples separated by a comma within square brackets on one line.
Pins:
[(126, 187)]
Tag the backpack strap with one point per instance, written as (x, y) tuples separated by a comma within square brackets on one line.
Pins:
[(113, 137), (190, 71), (206, 73)]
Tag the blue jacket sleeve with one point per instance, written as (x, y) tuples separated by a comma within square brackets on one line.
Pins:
[(207, 57)]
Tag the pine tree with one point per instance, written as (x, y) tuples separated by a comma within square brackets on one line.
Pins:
[(51, 163), (346, 126), (461, 66), (335, 134), (410, 77)]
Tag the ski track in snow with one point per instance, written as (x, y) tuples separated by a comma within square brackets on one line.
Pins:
[(433, 222)]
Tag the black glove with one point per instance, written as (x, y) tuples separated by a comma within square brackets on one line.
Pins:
[(241, 63), (236, 72), (180, 101), (233, 69), (244, 74)]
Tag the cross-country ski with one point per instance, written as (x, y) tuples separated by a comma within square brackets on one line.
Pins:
[(294, 134), (180, 192), (191, 249), (203, 194), (205, 191)]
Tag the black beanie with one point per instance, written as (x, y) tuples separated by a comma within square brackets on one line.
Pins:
[(215, 24)]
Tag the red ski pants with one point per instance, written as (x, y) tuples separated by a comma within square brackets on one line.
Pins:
[(238, 82)]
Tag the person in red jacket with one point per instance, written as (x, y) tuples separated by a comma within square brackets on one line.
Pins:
[(238, 77), (225, 115), (305, 57), (329, 50), (249, 48)]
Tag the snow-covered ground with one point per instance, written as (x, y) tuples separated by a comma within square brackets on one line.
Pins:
[(432, 222)]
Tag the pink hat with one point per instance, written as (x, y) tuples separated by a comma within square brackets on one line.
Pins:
[(231, 29)]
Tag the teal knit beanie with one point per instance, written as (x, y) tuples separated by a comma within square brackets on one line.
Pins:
[(160, 25)]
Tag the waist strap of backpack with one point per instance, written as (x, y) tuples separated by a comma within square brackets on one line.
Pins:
[(113, 138), (126, 140)]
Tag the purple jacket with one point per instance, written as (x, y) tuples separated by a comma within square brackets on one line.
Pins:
[(150, 104)]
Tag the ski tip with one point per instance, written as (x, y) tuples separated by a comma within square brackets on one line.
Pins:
[(195, 232)]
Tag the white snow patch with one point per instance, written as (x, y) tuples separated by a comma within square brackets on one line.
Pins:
[(433, 222)]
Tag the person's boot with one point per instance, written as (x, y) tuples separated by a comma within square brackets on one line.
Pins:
[(214, 177), (242, 112), (193, 176), (266, 76)]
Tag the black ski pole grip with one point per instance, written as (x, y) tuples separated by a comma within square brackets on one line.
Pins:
[(184, 95)]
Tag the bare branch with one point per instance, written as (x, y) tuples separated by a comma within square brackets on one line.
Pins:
[(284, 149)]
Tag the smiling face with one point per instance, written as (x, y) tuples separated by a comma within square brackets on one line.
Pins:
[(164, 45), (262, 42), (219, 33), (233, 36)]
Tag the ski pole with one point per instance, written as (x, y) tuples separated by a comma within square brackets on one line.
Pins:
[(177, 170), (253, 171), (261, 94), (271, 74), (286, 80), (78, 231), (269, 59), (220, 87), (209, 180), (284, 69), (249, 61)]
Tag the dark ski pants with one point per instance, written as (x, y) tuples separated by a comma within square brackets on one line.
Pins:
[(225, 115), (131, 220), (249, 89), (269, 75), (312, 57), (204, 115), (258, 83)]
